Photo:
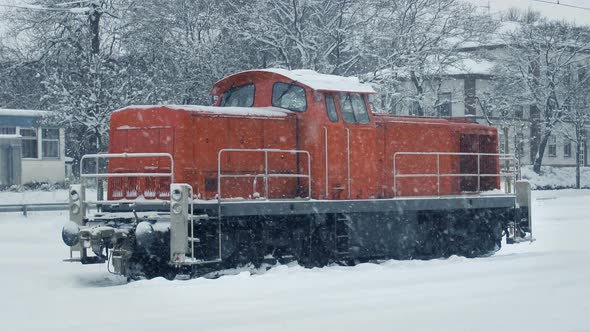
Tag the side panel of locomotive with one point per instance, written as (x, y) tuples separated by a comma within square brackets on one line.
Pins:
[(436, 157), (146, 130), (194, 136), (212, 134)]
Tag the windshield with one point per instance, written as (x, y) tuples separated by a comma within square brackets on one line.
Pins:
[(242, 96), (353, 108), (289, 96)]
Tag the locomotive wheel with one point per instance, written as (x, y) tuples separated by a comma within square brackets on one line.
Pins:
[(478, 236), (143, 267), (432, 242)]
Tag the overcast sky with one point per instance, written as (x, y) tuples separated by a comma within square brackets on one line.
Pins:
[(551, 10)]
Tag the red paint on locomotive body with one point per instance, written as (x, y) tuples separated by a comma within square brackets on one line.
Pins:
[(351, 150)]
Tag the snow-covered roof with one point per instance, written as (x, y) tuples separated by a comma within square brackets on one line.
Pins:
[(17, 112), (470, 66), (500, 37), (320, 82), (552, 9), (467, 66), (241, 111)]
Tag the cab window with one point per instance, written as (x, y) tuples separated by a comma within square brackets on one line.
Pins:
[(241, 96), (353, 108), (331, 108), (289, 96)]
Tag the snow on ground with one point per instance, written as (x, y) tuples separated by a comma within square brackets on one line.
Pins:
[(556, 177), (542, 286)]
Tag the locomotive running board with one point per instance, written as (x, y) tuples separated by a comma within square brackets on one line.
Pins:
[(248, 208), (306, 207)]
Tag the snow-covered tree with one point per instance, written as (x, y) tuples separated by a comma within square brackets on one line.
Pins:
[(419, 41), (576, 113), (326, 36), (539, 59), (69, 43)]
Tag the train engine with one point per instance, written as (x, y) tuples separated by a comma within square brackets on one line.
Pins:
[(290, 165)]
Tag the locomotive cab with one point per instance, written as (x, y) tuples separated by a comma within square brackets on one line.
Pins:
[(334, 123), (291, 165)]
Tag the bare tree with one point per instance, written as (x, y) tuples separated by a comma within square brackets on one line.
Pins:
[(327, 36), (539, 57), (419, 41), (576, 117), (81, 81)]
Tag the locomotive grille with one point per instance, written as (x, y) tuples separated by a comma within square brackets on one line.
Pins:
[(137, 187), (472, 143)]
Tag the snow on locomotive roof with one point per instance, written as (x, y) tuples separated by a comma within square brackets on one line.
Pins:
[(242, 111), (320, 82)]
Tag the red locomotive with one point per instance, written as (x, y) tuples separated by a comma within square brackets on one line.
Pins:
[(292, 165)]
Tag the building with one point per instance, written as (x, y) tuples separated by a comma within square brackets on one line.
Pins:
[(30, 151), (460, 91)]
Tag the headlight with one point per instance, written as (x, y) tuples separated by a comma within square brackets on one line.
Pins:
[(144, 235), (70, 234), (177, 194), (177, 208), (75, 208), (74, 195)]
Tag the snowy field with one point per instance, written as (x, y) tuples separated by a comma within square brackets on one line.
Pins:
[(544, 286)]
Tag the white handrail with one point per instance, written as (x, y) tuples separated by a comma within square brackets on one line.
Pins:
[(126, 155), (514, 175), (98, 175), (266, 175)]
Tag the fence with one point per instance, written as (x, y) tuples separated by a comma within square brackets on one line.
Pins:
[(25, 208)]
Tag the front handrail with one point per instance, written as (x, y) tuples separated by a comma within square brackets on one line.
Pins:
[(98, 156), (97, 175), (506, 157), (266, 175)]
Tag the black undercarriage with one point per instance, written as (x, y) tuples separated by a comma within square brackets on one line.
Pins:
[(135, 240), (322, 239)]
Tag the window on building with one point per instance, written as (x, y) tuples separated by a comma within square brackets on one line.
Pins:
[(444, 105), (415, 108), (395, 107), (470, 99), (501, 142), (470, 105), (289, 96), (50, 143), (29, 143), (353, 108), (518, 112), (552, 146), (331, 108), (519, 145), (241, 96), (567, 149), (7, 130)]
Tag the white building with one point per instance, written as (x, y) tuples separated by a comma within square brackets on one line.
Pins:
[(30, 151), (460, 93)]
